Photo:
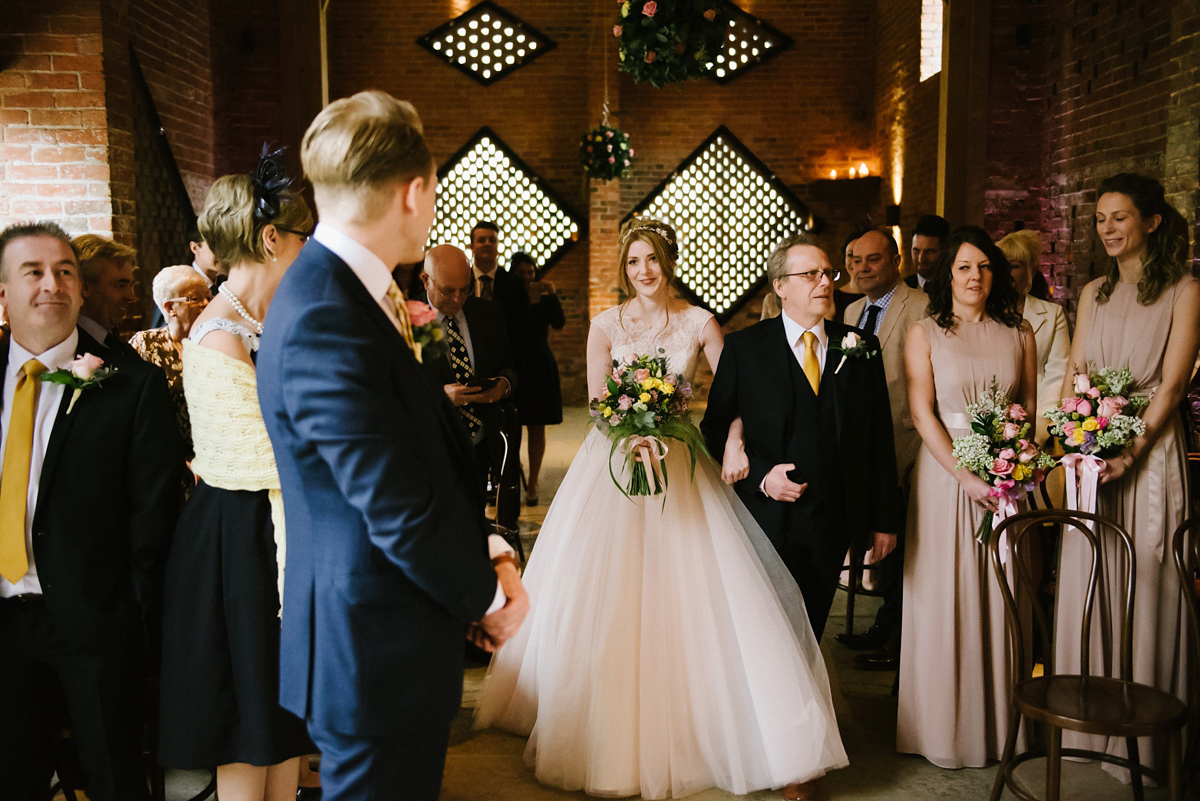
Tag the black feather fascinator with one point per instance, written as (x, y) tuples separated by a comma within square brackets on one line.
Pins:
[(271, 182)]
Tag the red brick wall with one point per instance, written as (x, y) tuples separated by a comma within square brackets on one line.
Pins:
[(53, 127)]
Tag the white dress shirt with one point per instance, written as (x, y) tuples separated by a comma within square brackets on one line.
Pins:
[(377, 278), (207, 281), (795, 337), (49, 398), (98, 332)]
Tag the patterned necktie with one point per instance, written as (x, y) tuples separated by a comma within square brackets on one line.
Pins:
[(460, 362), (485, 287), (401, 307), (810, 363), (872, 319), (14, 488)]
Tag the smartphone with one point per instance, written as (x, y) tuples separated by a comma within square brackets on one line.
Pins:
[(481, 384)]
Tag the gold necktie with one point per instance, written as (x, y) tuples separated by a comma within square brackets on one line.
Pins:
[(14, 484), (401, 306), (810, 363)]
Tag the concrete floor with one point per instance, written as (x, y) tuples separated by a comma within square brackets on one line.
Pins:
[(490, 764)]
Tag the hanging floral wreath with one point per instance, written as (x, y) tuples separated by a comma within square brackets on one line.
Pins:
[(605, 153), (666, 41)]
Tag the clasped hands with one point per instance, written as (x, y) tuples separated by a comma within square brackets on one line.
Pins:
[(461, 395), (500, 626)]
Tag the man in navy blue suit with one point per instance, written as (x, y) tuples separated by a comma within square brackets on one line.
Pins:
[(388, 551)]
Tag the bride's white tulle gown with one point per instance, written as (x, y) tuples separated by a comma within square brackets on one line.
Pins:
[(667, 649)]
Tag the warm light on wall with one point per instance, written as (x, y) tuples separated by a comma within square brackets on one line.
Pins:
[(862, 170), (833, 174)]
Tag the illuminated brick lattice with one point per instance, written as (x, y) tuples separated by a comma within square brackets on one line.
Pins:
[(486, 180), (729, 211), (749, 42), (486, 43)]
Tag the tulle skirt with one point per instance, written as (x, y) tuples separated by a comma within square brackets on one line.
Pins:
[(667, 650)]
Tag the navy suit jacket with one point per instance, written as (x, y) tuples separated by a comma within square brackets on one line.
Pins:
[(108, 498), (387, 558), (751, 382)]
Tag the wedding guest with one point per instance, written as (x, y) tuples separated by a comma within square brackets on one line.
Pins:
[(477, 373), (846, 290), (100, 475), (539, 395), (203, 261), (1143, 314), (220, 673), (888, 311), (954, 667), (928, 237), (388, 565), (1049, 321), (180, 295), (702, 668), (106, 268)]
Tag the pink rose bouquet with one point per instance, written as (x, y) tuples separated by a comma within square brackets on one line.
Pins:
[(1000, 450), (643, 404), (1101, 418)]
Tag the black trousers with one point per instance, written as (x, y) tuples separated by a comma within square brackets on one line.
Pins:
[(815, 563), (41, 672)]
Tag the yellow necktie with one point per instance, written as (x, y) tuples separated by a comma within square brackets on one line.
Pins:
[(810, 363), (14, 484), (401, 306)]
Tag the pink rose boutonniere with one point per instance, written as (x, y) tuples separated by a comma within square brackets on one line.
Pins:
[(428, 338), (84, 372)]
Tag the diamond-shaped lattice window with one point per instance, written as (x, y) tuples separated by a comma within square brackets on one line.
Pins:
[(485, 180), (729, 211), (486, 43), (750, 42)]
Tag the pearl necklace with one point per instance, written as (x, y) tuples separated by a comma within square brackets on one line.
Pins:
[(227, 293)]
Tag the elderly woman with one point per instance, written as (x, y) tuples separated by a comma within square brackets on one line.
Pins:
[(180, 294), (1022, 249)]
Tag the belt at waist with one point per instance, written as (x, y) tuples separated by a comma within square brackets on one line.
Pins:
[(956, 420)]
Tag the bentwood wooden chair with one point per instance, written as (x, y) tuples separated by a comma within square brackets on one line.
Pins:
[(1111, 706), (1186, 549)]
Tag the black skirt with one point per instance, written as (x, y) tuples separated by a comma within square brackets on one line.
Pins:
[(220, 672)]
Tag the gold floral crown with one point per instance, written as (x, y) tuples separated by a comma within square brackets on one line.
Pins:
[(654, 226)]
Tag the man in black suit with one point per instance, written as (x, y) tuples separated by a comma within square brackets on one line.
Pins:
[(478, 352), (928, 236), (89, 494), (109, 292), (818, 430)]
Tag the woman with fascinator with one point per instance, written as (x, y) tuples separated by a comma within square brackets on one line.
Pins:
[(667, 649), (220, 673)]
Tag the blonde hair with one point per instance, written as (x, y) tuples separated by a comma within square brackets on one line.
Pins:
[(1022, 247), (171, 281), (359, 148), (229, 226), (93, 251), (661, 239)]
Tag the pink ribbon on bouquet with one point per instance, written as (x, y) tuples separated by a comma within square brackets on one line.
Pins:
[(1006, 508), (1083, 479), (650, 451)]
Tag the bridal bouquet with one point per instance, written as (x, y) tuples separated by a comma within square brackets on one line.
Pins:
[(1001, 451), (429, 340), (642, 405), (1097, 422)]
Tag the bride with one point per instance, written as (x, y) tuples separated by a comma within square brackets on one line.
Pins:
[(667, 650)]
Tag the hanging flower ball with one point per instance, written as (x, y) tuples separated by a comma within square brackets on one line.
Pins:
[(613, 160), (668, 41)]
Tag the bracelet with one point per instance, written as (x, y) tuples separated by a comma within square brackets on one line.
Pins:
[(505, 557)]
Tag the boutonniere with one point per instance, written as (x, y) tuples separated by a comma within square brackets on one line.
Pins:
[(852, 347), (84, 372), (429, 340)]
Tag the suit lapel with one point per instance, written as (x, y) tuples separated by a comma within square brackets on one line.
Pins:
[(63, 421), (832, 379), (1038, 319), (894, 310)]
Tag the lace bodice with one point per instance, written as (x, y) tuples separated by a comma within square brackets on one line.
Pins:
[(679, 339), (249, 338)]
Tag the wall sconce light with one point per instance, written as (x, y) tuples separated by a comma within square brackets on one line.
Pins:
[(862, 170), (891, 215)]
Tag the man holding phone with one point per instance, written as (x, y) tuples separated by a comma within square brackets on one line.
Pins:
[(478, 373)]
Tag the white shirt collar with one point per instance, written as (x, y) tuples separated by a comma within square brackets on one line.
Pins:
[(794, 331), (98, 332), (204, 275), (56, 357), (370, 269)]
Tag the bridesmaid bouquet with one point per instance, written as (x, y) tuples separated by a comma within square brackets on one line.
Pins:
[(1097, 422), (642, 405), (1001, 451)]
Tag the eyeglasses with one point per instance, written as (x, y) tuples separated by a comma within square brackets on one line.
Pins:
[(304, 235), (461, 292), (814, 276), (188, 300)]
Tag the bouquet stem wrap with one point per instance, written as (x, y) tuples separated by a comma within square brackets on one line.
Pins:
[(642, 454), (1083, 480)]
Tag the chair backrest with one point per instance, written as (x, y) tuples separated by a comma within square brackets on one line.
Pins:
[(1096, 530), (1185, 544)]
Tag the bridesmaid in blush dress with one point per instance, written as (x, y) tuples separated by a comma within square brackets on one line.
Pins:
[(954, 671), (1143, 314)]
